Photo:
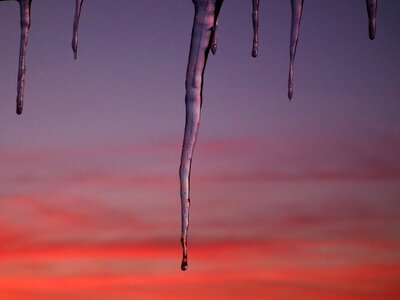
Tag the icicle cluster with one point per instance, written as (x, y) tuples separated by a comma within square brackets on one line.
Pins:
[(25, 15), (204, 39)]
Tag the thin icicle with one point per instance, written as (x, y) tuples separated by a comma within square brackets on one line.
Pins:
[(254, 51), (214, 44), (214, 38), (372, 7), (206, 13), (74, 43), (25, 14), (297, 11)]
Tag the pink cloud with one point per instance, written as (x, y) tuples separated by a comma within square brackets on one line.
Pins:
[(231, 270), (73, 220)]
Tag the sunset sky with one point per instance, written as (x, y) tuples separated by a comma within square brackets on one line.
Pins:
[(290, 200)]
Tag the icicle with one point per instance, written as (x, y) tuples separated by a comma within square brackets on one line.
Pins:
[(297, 10), (214, 38), (25, 14), (254, 51), (206, 13), (74, 43), (371, 7)]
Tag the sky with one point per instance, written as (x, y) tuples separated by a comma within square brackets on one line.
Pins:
[(290, 200)]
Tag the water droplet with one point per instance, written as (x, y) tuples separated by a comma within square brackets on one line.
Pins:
[(184, 264)]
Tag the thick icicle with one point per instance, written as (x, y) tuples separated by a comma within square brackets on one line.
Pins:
[(297, 11), (206, 13), (25, 13), (371, 7), (256, 4), (74, 43)]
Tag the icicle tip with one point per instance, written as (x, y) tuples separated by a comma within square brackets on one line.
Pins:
[(290, 93), (75, 50), (184, 264), (19, 110), (371, 37), (214, 49), (372, 34)]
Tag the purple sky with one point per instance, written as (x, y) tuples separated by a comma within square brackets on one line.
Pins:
[(288, 188)]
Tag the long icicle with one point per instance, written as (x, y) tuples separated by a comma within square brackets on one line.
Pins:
[(206, 12), (74, 42), (297, 11), (256, 21), (372, 7), (25, 14)]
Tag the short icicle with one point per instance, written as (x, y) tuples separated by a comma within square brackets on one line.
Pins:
[(297, 11), (74, 42), (256, 4), (372, 7), (214, 43), (214, 38), (206, 13), (25, 14)]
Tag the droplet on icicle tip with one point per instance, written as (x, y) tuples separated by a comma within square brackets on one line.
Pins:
[(184, 264)]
